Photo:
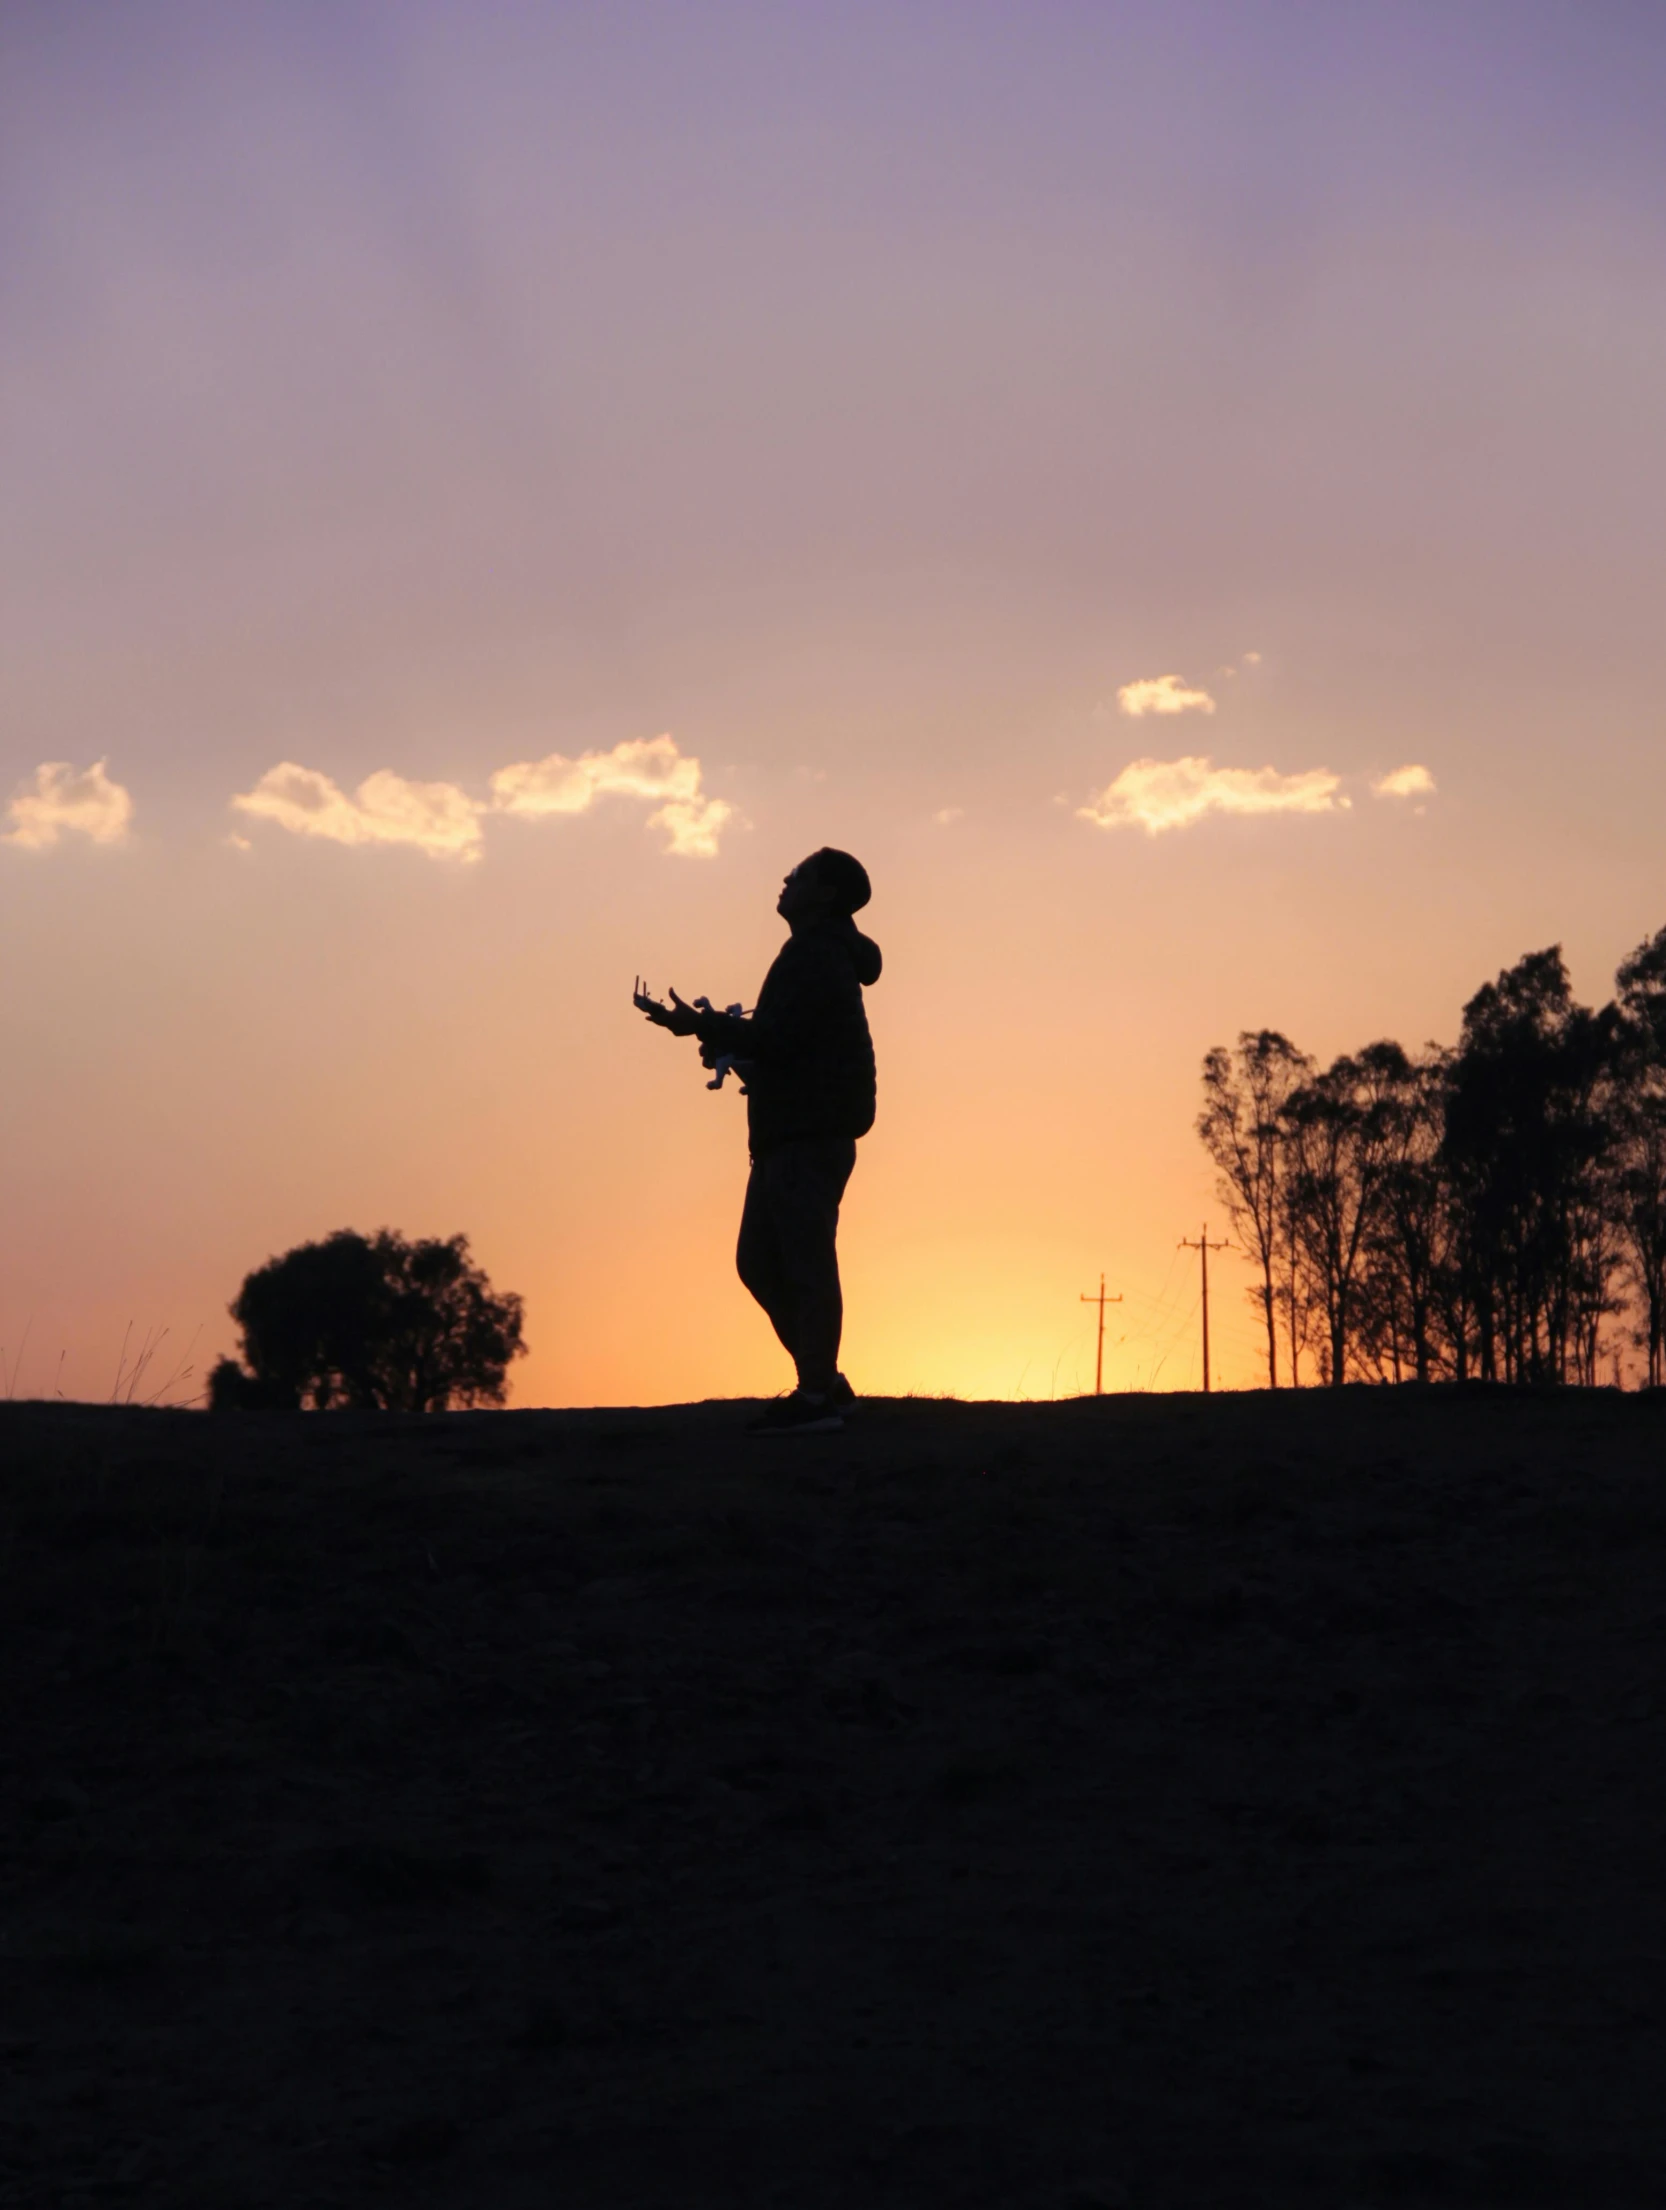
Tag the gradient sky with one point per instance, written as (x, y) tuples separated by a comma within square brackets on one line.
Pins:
[(867, 398)]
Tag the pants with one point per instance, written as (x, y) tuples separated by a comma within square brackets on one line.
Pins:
[(787, 1255)]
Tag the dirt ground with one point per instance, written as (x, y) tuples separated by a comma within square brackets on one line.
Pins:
[(1154, 1802)]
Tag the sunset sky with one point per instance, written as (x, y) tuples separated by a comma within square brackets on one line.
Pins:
[(1179, 489)]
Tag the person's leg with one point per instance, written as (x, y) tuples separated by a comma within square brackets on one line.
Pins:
[(806, 1182), (758, 1256)]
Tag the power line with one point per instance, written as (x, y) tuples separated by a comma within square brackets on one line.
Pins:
[(1160, 1312), (1203, 1247), (1099, 1356), (1180, 1327)]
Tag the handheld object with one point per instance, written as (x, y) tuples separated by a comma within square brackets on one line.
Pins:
[(724, 1063)]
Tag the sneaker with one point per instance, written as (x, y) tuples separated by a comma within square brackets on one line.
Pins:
[(842, 1393), (798, 1415)]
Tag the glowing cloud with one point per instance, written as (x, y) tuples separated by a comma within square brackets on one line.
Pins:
[(55, 799), (437, 818), (646, 767), (1162, 694), (1155, 795), (444, 821), (1404, 782)]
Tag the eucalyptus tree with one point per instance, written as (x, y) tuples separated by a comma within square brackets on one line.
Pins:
[(1335, 1128), (1409, 1243), (1640, 1142), (1245, 1092), (1529, 1145)]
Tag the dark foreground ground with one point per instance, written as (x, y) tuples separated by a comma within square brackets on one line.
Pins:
[(1146, 1803)]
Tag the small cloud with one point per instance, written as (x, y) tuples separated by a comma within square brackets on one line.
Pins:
[(239, 843), (56, 799), (946, 815), (1251, 659), (1411, 781), (1162, 694), (1155, 795), (647, 767), (437, 818)]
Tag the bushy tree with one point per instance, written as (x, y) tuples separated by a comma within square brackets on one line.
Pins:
[(371, 1323)]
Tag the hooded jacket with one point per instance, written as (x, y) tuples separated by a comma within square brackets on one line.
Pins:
[(807, 1055)]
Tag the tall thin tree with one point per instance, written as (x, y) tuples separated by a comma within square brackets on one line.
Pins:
[(1245, 1092), (1336, 1130), (1640, 1167)]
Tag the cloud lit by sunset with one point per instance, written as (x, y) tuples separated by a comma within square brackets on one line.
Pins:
[(443, 821), (1411, 781), (386, 809), (1155, 795), (1162, 694), (651, 768), (57, 800)]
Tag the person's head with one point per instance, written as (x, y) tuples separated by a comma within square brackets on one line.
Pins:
[(828, 886)]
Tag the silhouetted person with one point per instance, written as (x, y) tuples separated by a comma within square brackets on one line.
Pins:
[(806, 1059)]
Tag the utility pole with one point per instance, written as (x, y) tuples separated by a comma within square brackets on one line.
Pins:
[(1203, 1247), (1099, 1359)]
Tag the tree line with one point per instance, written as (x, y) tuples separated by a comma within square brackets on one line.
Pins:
[(1493, 1210)]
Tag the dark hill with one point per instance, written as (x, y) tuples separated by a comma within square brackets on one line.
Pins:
[(1154, 1802)]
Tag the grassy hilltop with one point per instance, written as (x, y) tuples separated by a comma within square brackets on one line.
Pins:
[(1151, 1802)]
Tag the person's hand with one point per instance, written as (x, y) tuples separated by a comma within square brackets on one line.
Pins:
[(680, 1019)]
